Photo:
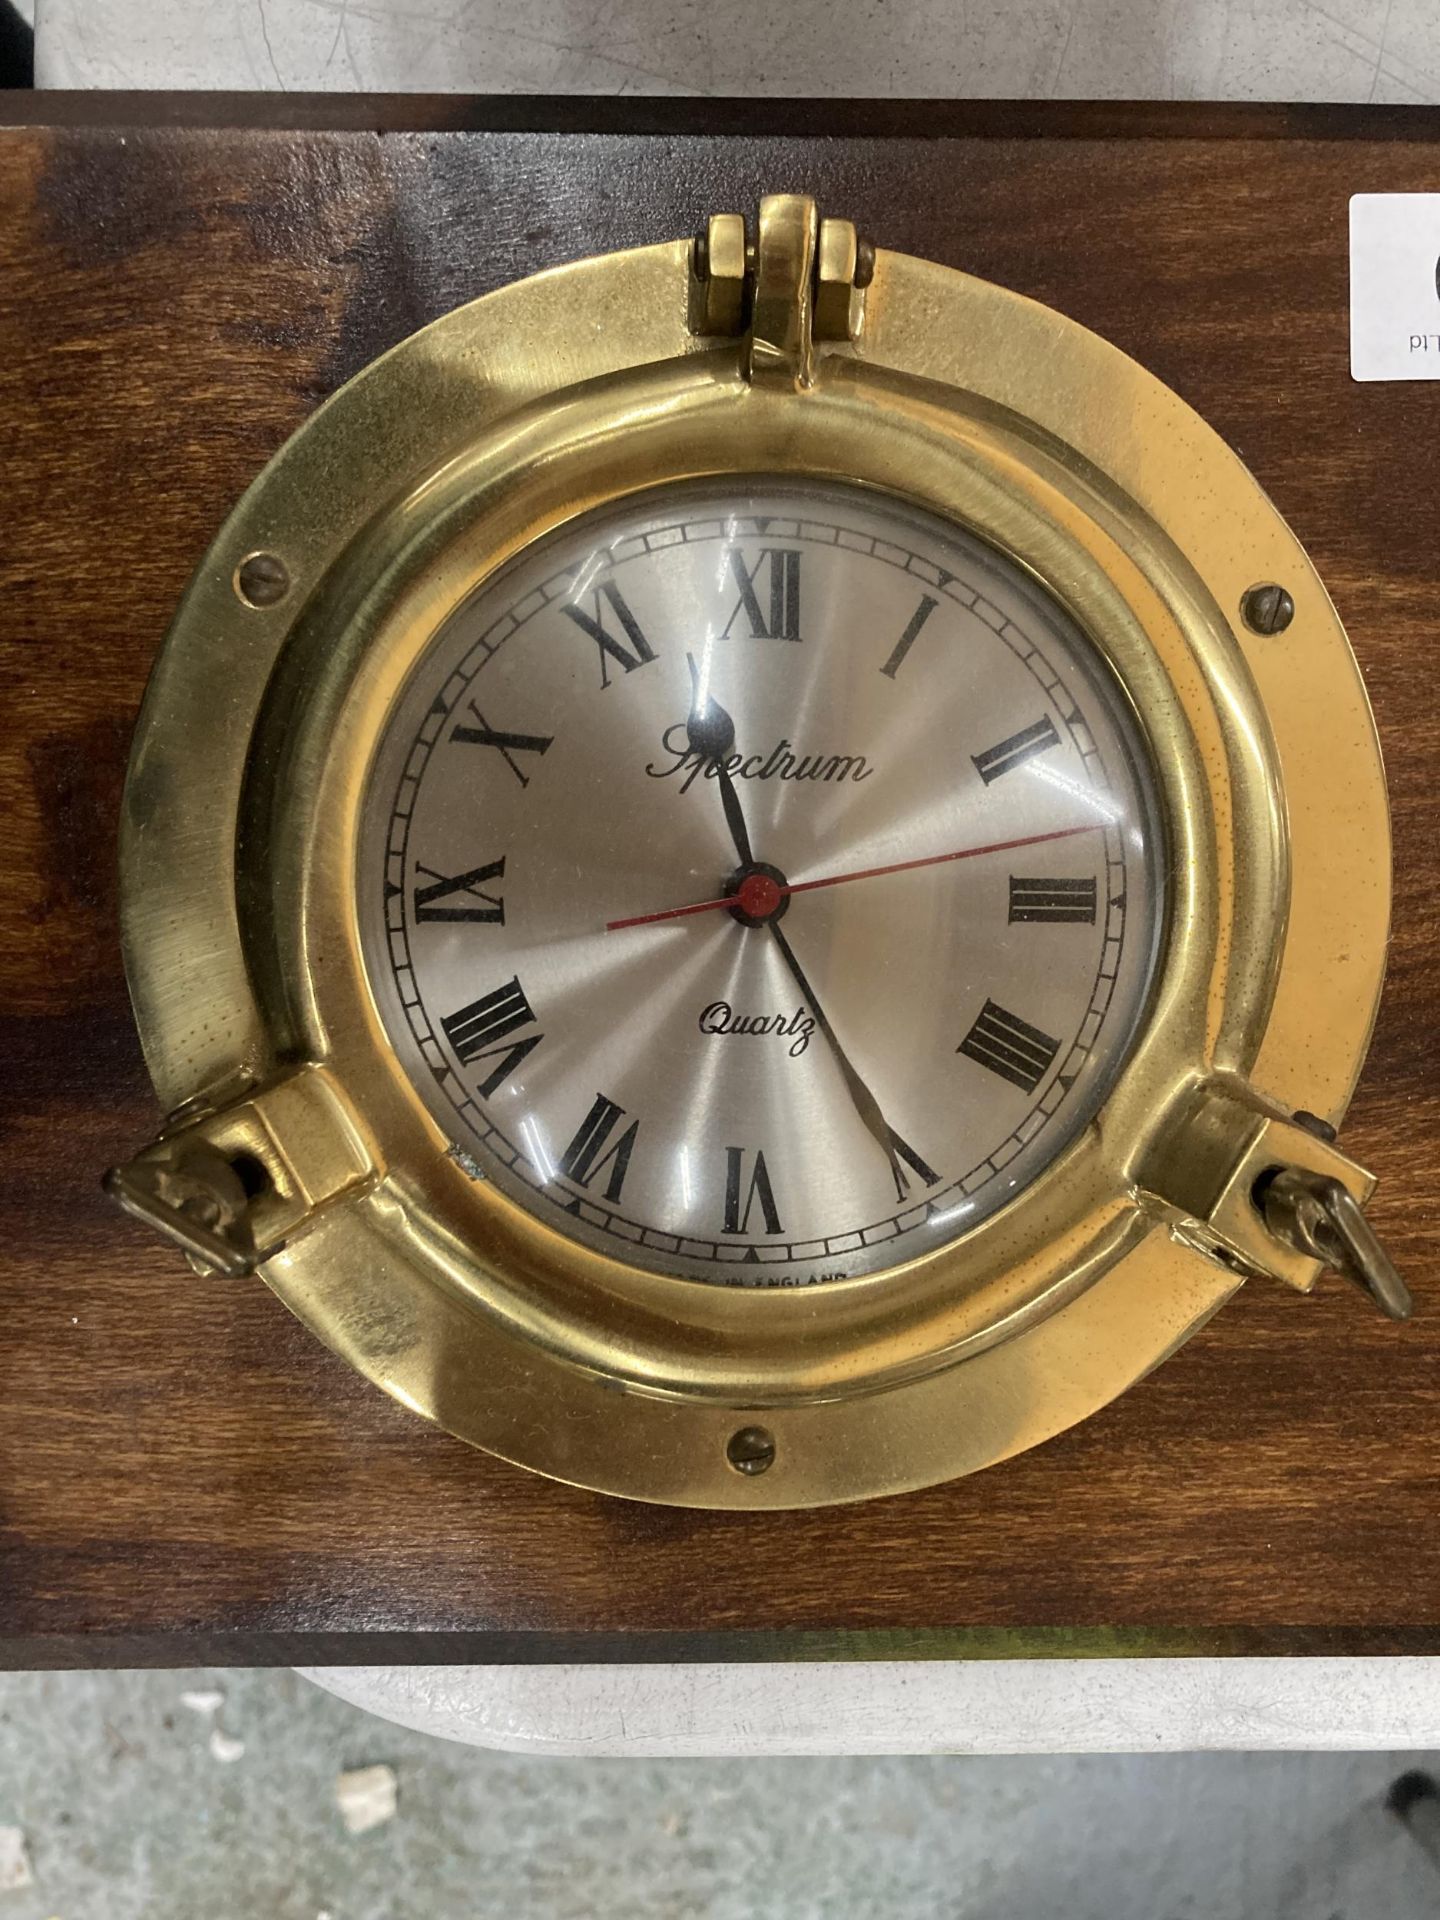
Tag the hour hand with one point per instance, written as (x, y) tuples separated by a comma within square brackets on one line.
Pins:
[(711, 734)]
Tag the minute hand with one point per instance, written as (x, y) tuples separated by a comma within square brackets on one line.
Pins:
[(866, 1105)]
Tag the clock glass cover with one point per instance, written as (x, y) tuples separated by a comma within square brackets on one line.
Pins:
[(760, 883)]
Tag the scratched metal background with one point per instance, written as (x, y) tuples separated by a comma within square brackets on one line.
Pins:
[(1377, 50)]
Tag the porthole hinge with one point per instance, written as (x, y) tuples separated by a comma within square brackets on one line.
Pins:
[(1270, 1193), (801, 281), (233, 1185)]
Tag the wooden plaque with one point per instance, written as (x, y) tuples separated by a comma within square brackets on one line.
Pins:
[(185, 1475)]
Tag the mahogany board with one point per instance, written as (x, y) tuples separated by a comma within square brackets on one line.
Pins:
[(184, 1473)]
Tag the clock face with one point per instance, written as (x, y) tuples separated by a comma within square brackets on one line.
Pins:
[(759, 882)]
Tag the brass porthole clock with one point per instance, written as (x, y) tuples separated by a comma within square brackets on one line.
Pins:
[(755, 873)]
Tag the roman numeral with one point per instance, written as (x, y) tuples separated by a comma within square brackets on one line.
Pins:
[(608, 595), (1016, 750), (1010, 1046), (453, 888), (778, 618), (481, 1031), (585, 1157), (912, 1159), (907, 639), (1052, 900), (484, 735), (738, 1208)]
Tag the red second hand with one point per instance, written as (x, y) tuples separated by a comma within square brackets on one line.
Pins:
[(861, 873)]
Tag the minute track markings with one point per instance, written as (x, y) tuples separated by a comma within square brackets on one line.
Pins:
[(833, 1245), (704, 530)]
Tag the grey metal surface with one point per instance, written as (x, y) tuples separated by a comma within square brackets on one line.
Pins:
[(128, 1813), (1381, 50)]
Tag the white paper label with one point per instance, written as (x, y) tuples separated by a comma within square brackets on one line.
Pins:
[(1395, 286)]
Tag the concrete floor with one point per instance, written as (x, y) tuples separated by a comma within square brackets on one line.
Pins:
[(129, 1815)]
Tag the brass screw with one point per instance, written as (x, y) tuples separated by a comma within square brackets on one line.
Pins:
[(262, 580), (751, 1450), (1267, 608)]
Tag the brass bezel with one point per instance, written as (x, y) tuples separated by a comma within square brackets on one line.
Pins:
[(542, 401)]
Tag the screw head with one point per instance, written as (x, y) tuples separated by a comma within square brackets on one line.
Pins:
[(1267, 608), (751, 1450), (262, 580)]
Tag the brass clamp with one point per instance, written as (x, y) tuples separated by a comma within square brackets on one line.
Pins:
[(1270, 1194), (187, 1190), (802, 281), (234, 1185), (1322, 1219)]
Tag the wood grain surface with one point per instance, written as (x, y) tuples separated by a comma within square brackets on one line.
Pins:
[(184, 1473)]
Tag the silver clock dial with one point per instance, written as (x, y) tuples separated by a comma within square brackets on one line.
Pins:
[(760, 882)]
